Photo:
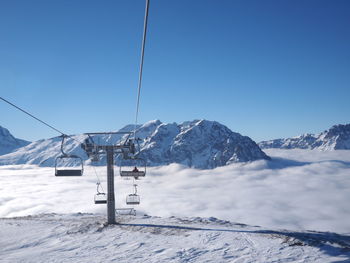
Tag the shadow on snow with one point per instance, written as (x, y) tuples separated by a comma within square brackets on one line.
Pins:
[(330, 243)]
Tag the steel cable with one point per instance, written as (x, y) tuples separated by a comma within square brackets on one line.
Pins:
[(141, 65)]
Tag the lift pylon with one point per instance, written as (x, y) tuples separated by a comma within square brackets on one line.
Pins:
[(110, 150)]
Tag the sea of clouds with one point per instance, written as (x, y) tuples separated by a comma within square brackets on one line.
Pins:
[(297, 190)]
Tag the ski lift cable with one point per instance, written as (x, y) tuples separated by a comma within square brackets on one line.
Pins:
[(141, 65), (43, 122), (98, 179), (31, 115), (135, 187)]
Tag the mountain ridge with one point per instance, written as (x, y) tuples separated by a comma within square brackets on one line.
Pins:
[(199, 144), (9, 143), (335, 138)]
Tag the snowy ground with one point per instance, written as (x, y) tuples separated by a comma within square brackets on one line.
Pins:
[(85, 238), (298, 190)]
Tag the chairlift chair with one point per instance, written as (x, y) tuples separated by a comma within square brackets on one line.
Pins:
[(134, 198), (135, 172), (100, 197), (66, 170), (71, 171)]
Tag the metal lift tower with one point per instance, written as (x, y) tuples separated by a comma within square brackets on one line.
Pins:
[(92, 149)]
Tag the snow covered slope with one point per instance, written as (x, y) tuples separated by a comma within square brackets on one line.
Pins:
[(8, 143), (336, 138), (200, 144), (43, 152), (85, 238)]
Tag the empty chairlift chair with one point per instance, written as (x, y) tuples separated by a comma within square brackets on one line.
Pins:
[(66, 170), (100, 197), (133, 199), (68, 164)]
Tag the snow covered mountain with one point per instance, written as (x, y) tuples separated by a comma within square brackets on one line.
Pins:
[(304, 141), (336, 138), (8, 143), (200, 144)]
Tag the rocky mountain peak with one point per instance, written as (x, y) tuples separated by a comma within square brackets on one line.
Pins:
[(8, 143)]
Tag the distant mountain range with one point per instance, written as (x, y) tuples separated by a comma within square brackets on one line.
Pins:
[(335, 138), (200, 144), (8, 143)]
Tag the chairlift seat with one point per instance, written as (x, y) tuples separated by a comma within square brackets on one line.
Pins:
[(133, 199), (139, 170), (100, 199), (69, 172), (125, 211), (132, 174)]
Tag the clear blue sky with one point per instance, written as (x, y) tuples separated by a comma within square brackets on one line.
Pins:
[(266, 69)]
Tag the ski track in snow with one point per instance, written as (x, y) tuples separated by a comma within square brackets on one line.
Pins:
[(86, 238)]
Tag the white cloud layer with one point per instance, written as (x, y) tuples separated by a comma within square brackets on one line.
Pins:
[(298, 189)]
